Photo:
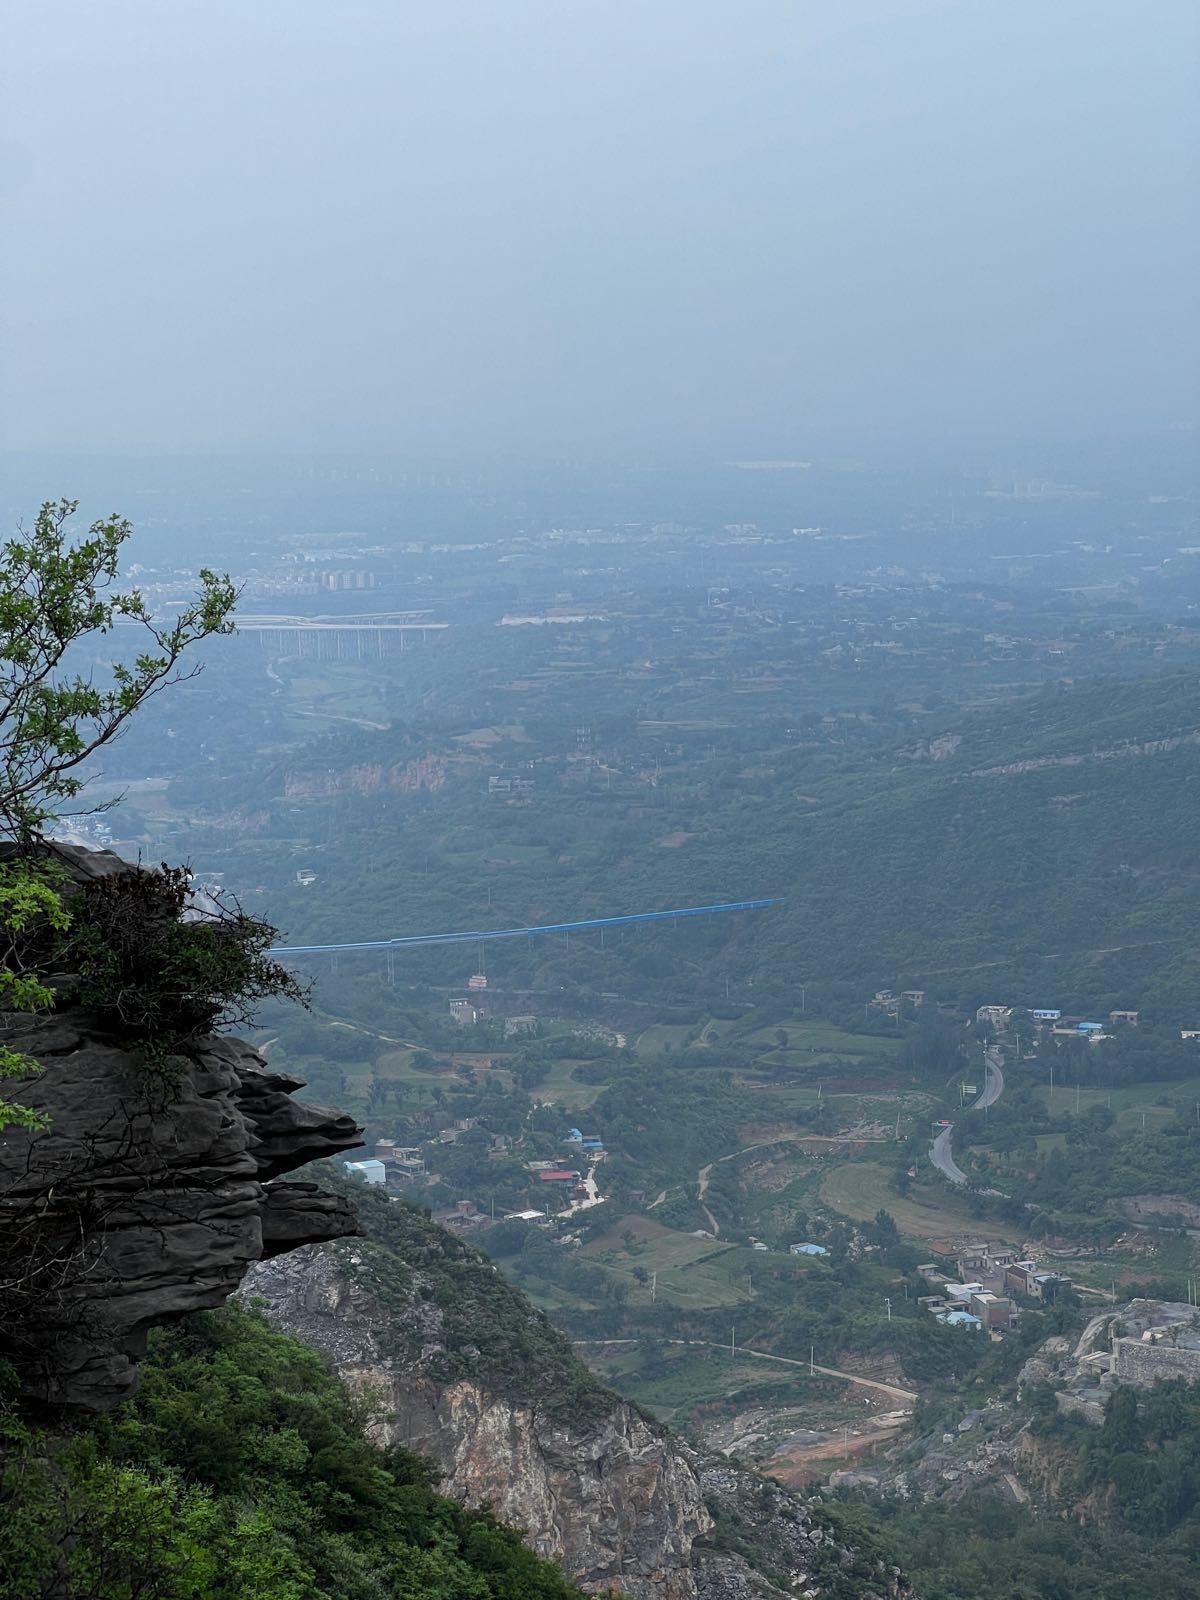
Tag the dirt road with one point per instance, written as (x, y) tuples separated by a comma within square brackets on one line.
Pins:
[(893, 1389)]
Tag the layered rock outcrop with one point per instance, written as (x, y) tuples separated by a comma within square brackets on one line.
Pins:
[(145, 1198)]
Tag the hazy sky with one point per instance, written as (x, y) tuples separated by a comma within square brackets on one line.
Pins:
[(733, 226)]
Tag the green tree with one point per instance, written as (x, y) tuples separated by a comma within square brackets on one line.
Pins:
[(53, 595), (28, 898)]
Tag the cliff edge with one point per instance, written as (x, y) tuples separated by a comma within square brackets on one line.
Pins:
[(145, 1197)]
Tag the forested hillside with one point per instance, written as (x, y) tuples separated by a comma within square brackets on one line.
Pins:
[(1027, 849), (1006, 848), (240, 1472)]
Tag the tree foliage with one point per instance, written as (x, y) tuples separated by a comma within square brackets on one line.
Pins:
[(53, 595), (30, 904), (241, 1472), (160, 969)]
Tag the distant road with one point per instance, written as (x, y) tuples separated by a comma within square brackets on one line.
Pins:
[(993, 1085), (943, 1159), (893, 1389), (940, 1152)]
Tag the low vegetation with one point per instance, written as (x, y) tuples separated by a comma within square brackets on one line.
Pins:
[(241, 1472)]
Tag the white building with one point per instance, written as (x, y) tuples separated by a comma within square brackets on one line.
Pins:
[(371, 1171)]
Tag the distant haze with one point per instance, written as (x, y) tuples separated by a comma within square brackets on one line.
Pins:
[(746, 228)]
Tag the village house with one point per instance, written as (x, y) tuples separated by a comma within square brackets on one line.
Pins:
[(985, 1260), (994, 1016), (994, 1311), (1028, 1279), (462, 1217), (373, 1172), (516, 1026)]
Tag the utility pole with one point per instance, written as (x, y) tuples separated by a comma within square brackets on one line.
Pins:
[(653, 1287), (812, 1350), (1052, 1085), (887, 1302), (733, 1343)]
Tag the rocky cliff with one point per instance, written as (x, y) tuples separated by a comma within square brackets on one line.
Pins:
[(144, 1198), (604, 1495), (461, 1368)]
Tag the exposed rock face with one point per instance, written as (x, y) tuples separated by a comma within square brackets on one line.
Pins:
[(143, 1201), (401, 777), (619, 1503), (610, 1501)]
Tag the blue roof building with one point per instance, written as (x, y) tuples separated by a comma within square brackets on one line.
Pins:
[(809, 1250)]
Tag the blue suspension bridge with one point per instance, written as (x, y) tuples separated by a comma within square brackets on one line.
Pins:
[(477, 935)]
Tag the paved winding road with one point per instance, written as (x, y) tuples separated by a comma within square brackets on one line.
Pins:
[(940, 1152)]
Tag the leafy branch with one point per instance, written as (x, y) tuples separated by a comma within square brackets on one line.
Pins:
[(54, 594)]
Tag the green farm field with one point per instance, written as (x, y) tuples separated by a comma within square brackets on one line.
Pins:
[(561, 1089), (659, 1035), (1157, 1102), (692, 1272), (859, 1189), (676, 1379), (806, 1037)]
